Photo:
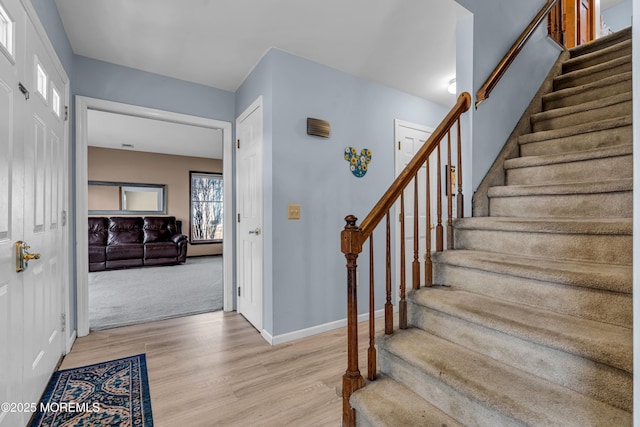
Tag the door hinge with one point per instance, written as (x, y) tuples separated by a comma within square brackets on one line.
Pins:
[(238, 290), (238, 217), (238, 145), (64, 322), (66, 113)]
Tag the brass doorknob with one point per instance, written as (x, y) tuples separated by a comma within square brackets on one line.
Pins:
[(23, 256)]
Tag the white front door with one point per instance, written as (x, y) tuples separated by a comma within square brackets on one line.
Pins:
[(33, 176), (409, 139), (249, 231), (44, 185)]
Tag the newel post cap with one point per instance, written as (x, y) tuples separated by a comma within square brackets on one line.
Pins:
[(351, 237)]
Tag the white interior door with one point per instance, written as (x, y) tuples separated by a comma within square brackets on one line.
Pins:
[(249, 232), (32, 179), (410, 138), (44, 181), (11, 210)]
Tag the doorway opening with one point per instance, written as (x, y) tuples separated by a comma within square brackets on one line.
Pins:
[(87, 106)]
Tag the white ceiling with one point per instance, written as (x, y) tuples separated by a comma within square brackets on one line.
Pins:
[(405, 44), (116, 131)]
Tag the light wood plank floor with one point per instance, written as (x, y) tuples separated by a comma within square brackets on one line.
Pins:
[(214, 369)]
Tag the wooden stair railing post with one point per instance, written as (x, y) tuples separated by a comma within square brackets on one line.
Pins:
[(371, 353), (352, 380), (388, 307), (428, 267), (402, 305), (439, 231), (416, 237), (460, 197), (449, 194)]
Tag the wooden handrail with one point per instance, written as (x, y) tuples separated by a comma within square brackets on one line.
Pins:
[(389, 198), (510, 56), (353, 237)]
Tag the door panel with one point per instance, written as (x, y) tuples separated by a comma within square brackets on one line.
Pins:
[(249, 228)]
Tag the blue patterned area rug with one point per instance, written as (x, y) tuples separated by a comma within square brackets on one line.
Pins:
[(113, 393)]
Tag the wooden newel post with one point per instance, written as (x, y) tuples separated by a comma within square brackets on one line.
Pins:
[(352, 380)]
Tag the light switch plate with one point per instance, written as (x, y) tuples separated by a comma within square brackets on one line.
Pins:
[(294, 212)]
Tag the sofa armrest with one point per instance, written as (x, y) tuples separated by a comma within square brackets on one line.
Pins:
[(176, 238)]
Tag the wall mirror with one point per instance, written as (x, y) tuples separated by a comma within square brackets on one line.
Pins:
[(126, 198)]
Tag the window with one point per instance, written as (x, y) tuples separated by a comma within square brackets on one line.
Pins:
[(55, 101), (6, 31), (41, 80), (206, 207)]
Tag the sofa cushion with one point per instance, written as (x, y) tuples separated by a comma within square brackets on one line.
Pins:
[(97, 253), (160, 250), (159, 228), (98, 231), (125, 251), (124, 230)]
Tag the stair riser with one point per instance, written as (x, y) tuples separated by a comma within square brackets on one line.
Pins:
[(444, 397), (579, 142), (591, 60), (605, 383), (602, 43), (614, 249), (567, 81), (576, 300), (616, 205), (549, 103), (618, 167), (608, 112)]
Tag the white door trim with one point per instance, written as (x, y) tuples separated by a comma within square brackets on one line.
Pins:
[(83, 104)]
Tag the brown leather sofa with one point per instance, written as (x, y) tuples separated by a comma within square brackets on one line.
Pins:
[(123, 242)]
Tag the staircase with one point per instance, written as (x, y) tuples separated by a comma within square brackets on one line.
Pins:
[(531, 323)]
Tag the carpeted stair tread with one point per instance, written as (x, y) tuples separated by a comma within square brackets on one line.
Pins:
[(385, 402), (614, 278), (574, 156), (620, 48), (598, 226), (596, 341), (580, 129), (596, 187), (600, 109), (601, 43), (612, 85), (477, 382), (593, 73)]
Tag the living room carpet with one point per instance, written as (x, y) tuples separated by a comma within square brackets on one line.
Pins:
[(113, 393), (139, 295)]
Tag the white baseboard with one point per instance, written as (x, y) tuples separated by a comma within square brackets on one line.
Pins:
[(314, 330)]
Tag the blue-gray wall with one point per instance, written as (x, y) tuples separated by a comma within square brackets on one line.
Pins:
[(618, 17), (305, 275), (496, 26)]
